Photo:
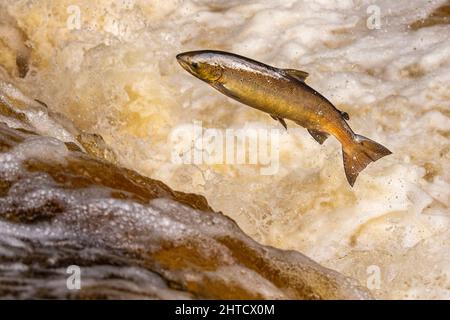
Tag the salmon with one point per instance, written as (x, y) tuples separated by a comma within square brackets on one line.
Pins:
[(283, 94)]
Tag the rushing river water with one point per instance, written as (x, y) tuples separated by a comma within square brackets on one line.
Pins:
[(127, 236), (109, 83)]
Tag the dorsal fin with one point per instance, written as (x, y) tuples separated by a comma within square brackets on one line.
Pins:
[(297, 74)]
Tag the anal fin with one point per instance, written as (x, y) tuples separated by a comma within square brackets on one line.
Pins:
[(281, 120), (319, 136)]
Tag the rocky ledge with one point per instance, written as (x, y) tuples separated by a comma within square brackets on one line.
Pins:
[(130, 236)]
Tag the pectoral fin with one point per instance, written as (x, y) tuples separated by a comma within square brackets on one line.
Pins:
[(281, 120), (319, 136), (297, 74)]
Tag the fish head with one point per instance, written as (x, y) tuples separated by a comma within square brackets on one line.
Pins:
[(201, 64)]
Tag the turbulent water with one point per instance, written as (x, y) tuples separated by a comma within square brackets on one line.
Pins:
[(127, 235), (107, 69)]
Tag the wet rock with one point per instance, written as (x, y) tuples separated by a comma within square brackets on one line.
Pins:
[(132, 237)]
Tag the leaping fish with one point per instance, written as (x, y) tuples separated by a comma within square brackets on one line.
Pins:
[(283, 94)]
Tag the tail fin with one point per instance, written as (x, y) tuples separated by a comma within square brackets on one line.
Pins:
[(360, 155)]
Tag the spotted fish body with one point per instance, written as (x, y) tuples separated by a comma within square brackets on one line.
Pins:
[(283, 94)]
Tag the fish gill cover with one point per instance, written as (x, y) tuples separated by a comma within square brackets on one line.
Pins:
[(107, 73)]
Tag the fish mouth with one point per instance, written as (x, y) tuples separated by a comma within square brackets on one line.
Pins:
[(191, 62), (184, 61), (181, 57)]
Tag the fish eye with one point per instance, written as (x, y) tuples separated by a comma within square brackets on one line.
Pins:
[(195, 65)]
